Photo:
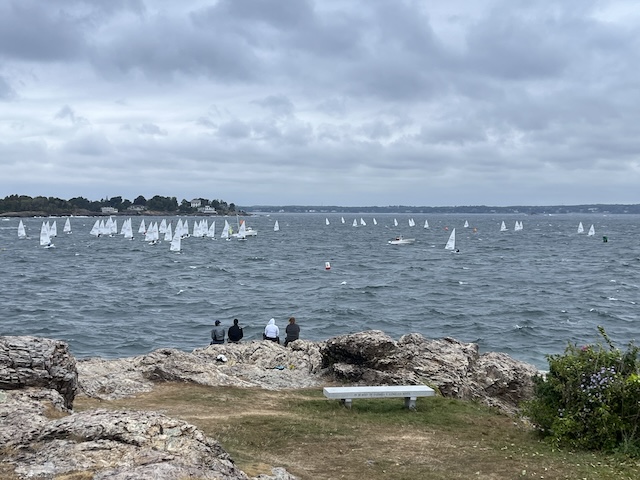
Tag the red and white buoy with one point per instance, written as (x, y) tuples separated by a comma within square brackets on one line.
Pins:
[(327, 266)]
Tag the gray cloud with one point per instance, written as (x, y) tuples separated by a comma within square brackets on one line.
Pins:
[(356, 103)]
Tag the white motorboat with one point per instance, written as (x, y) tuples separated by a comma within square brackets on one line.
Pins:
[(400, 240)]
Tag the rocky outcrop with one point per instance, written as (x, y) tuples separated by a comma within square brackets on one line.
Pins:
[(252, 364), (456, 369), (38, 362)]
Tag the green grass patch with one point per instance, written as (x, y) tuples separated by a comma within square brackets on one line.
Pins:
[(316, 438)]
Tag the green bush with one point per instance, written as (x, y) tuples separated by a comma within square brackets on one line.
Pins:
[(590, 398)]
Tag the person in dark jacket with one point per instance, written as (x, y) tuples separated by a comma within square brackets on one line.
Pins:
[(292, 331), (235, 333), (217, 334)]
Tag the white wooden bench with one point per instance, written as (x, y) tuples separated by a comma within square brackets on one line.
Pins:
[(409, 392)]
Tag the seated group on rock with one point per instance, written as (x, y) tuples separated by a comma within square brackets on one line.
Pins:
[(271, 332)]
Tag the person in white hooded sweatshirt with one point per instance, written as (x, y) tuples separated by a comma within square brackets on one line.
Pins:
[(271, 331)]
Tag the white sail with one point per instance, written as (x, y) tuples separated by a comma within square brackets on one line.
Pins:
[(95, 230), (362, 222), (242, 231), (22, 233), (342, 219), (45, 238), (580, 228), (211, 232), (127, 229), (451, 243), (412, 222), (326, 221), (225, 230), (67, 226), (176, 242), (185, 228), (503, 227), (466, 224), (395, 222), (143, 227), (53, 229), (276, 226), (426, 224), (168, 234), (375, 222), (162, 229), (592, 231), (355, 222)]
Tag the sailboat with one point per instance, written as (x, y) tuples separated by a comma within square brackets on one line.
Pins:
[(53, 229), (225, 230), (276, 226), (580, 228), (95, 230), (242, 231), (22, 233), (412, 223), (326, 221), (395, 222), (466, 224), (592, 231), (451, 243), (168, 234), (67, 226), (342, 219), (426, 224), (143, 227), (127, 229), (211, 233), (362, 222), (375, 222), (45, 237), (176, 242), (355, 222), (503, 227)]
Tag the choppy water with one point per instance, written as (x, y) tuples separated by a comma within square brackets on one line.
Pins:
[(525, 293)]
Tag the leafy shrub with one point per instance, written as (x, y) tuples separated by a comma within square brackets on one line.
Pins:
[(590, 399)]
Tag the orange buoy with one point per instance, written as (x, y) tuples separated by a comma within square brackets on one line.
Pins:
[(327, 266)]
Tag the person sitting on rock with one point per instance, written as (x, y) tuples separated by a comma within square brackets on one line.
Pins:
[(271, 331), (292, 330), (217, 334), (235, 333)]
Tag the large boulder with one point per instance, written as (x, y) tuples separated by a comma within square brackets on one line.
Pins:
[(38, 362), (455, 368)]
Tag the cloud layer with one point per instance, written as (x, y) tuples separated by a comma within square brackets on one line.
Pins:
[(370, 102)]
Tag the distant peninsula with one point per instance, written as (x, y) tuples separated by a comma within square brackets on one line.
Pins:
[(23, 205)]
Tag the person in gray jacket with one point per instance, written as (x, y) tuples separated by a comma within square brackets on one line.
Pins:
[(217, 334)]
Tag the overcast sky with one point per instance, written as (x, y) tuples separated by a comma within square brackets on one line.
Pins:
[(322, 102)]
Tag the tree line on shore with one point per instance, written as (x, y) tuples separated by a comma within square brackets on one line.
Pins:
[(81, 205)]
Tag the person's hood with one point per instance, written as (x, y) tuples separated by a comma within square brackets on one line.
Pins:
[(272, 321)]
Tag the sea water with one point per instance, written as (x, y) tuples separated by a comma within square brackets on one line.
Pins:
[(527, 293)]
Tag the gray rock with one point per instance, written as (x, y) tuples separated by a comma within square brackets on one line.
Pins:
[(250, 364), (38, 362), (124, 445), (455, 368)]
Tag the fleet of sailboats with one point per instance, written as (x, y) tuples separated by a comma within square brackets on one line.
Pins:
[(154, 231)]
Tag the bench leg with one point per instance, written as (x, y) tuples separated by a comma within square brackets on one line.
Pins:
[(410, 403), (346, 402)]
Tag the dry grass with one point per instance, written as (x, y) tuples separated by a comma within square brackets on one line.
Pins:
[(315, 438)]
